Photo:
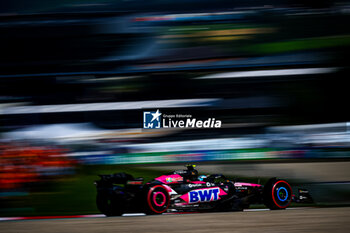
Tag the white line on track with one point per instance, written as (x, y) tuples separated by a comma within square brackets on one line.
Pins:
[(290, 208), (254, 210), (134, 214)]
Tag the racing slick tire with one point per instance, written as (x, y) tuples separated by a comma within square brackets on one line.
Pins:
[(109, 205), (157, 199), (277, 194)]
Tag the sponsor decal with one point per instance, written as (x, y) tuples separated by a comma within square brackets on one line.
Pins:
[(203, 195), (135, 182), (210, 184), (178, 179), (240, 184), (169, 179), (194, 185)]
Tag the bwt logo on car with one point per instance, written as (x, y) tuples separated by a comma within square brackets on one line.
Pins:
[(204, 195)]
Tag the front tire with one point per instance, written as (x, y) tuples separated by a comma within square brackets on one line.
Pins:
[(277, 194)]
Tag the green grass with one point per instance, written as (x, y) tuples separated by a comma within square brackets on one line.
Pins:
[(70, 195), (301, 44)]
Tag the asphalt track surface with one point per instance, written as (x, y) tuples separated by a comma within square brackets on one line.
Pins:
[(290, 220)]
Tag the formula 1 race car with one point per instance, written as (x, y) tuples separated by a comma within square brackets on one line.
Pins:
[(185, 190)]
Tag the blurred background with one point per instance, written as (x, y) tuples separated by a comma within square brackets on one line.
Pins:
[(75, 77)]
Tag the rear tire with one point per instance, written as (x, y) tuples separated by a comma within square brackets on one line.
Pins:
[(277, 194), (157, 199)]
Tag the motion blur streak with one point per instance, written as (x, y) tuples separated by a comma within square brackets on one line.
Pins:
[(268, 73), (131, 105)]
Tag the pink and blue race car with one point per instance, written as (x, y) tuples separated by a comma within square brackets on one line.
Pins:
[(186, 191)]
